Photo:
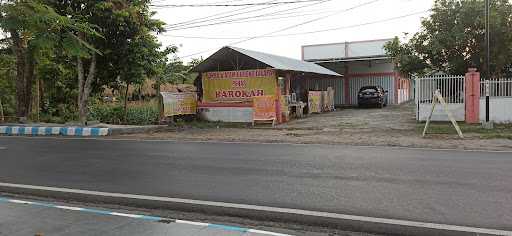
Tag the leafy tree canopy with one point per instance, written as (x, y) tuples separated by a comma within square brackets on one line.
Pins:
[(452, 39)]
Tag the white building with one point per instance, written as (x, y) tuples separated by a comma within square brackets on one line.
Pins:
[(361, 63)]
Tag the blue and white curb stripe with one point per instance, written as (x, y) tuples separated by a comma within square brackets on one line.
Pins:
[(142, 217), (45, 131)]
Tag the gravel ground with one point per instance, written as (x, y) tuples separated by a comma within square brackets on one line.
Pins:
[(391, 126)]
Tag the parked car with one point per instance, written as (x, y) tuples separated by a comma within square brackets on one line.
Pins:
[(372, 95)]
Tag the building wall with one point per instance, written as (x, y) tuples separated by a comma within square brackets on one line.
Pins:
[(361, 73), (227, 114), (375, 66), (322, 84), (385, 81), (330, 51)]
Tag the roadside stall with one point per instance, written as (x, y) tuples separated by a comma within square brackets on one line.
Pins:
[(239, 85), (177, 104)]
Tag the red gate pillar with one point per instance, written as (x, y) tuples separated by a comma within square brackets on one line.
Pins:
[(472, 96)]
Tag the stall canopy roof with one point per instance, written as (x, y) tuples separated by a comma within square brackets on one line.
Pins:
[(233, 58)]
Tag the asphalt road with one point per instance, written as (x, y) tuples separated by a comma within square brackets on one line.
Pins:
[(449, 187)]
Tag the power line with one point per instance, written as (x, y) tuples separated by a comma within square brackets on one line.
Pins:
[(232, 5), (290, 27), (282, 13), (219, 16), (249, 17), (210, 16), (304, 33)]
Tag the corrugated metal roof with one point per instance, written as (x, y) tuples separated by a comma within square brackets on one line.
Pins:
[(274, 61), (286, 63)]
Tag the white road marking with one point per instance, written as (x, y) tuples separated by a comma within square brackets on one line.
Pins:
[(125, 215), (265, 232), (3, 148), (69, 208), (20, 201), (306, 213), (192, 223)]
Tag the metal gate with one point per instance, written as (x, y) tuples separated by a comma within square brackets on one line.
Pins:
[(452, 90)]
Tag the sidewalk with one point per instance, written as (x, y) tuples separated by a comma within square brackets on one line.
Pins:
[(21, 217)]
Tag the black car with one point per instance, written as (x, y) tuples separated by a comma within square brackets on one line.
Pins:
[(372, 95)]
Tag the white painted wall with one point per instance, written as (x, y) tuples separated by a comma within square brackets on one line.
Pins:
[(227, 114), (337, 50), (500, 109), (324, 51), (458, 111), (367, 48)]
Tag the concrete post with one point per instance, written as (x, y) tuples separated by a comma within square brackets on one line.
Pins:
[(472, 96)]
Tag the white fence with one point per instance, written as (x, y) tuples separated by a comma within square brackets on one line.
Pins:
[(500, 102), (452, 90)]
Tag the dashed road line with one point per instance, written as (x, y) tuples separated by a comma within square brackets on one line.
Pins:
[(141, 217)]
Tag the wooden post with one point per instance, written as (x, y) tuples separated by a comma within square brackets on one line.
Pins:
[(439, 98)]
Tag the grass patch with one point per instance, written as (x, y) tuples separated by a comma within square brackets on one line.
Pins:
[(500, 131), (137, 113)]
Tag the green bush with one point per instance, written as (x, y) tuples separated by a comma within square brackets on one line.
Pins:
[(146, 114)]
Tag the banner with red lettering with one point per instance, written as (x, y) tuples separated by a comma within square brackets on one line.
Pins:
[(238, 86), (264, 108)]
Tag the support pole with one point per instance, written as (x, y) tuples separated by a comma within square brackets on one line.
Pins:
[(487, 60)]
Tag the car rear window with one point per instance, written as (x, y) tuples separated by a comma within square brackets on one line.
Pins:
[(368, 90)]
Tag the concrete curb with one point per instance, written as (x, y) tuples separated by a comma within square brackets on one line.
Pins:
[(345, 222), (46, 131)]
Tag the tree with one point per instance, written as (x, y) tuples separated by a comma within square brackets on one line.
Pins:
[(452, 39), (142, 60), (34, 27), (128, 47), (7, 87)]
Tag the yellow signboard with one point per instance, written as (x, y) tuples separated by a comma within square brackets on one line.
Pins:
[(238, 86), (264, 108), (179, 103), (315, 101)]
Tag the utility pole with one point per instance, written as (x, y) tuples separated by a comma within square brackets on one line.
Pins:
[(487, 63)]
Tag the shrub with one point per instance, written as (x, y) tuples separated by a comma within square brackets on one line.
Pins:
[(138, 114)]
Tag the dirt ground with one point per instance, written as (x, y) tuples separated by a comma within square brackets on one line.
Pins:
[(391, 126)]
